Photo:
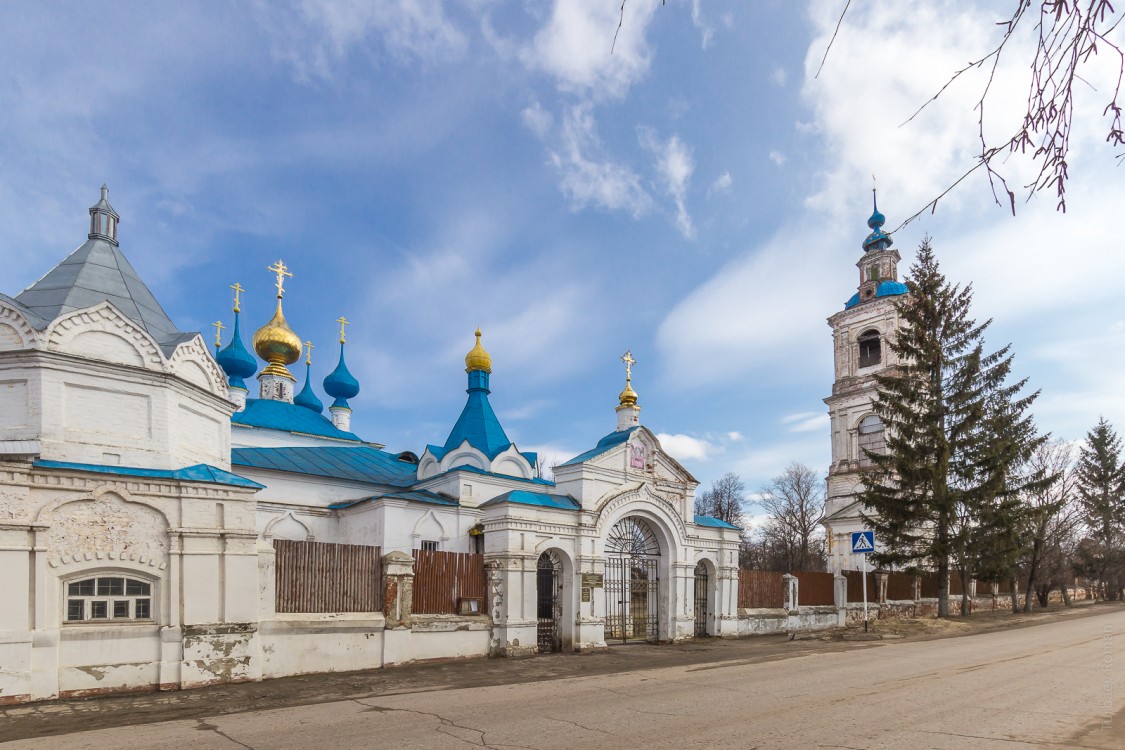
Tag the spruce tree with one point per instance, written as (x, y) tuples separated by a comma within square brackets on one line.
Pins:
[(1101, 490), (955, 433)]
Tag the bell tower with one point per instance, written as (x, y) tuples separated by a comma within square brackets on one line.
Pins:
[(860, 333)]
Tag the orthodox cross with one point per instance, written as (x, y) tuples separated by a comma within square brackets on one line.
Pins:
[(308, 352), (237, 291), (282, 272), (343, 322), (218, 324), (627, 358)]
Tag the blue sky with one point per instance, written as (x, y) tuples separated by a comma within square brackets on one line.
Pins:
[(697, 196)]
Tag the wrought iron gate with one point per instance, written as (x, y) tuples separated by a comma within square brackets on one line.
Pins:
[(549, 606), (702, 588), (632, 582)]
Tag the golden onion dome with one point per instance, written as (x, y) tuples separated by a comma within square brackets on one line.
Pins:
[(628, 396), (478, 358), (276, 343)]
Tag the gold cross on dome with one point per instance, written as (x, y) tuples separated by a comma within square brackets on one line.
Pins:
[(343, 322), (308, 352), (218, 324), (238, 290), (627, 358), (282, 272)]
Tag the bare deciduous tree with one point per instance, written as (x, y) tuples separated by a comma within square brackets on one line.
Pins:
[(794, 501), (1053, 521), (724, 501)]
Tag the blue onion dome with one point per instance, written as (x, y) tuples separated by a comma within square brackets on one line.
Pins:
[(340, 384), (235, 360), (878, 239), (306, 397)]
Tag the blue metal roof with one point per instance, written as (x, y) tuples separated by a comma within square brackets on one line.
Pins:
[(418, 496), (477, 424), (196, 473), (360, 463), (539, 499), (607, 442), (715, 523), (279, 415), (885, 289)]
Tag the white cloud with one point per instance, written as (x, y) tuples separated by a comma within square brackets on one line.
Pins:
[(735, 436), (777, 157), (576, 46), (317, 35), (721, 184), (685, 447), (807, 421), (589, 177), (706, 30), (537, 119), (674, 167), (764, 311), (779, 76)]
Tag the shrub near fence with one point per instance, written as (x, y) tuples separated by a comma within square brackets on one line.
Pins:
[(318, 577), (815, 589), (442, 579), (760, 589)]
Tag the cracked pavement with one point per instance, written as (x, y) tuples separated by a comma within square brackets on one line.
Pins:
[(1056, 681)]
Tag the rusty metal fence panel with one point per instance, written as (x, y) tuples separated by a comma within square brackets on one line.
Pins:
[(815, 589), (442, 579), (855, 586), (314, 577), (760, 589), (900, 586)]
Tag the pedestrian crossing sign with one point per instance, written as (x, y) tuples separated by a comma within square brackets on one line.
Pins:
[(863, 542)]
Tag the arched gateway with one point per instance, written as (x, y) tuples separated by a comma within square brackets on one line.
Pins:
[(548, 603), (632, 582)]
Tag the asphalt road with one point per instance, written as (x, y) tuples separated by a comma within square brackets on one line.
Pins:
[(1058, 684)]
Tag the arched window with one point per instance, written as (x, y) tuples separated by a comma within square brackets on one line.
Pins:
[(870, 348), (871, 437), (108, 597)]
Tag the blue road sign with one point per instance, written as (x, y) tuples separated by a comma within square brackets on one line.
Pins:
[(863, 542)]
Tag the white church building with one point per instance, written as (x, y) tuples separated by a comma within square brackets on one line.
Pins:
[(144, 494)]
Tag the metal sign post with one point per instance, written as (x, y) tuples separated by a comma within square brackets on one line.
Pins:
[(863, 543)]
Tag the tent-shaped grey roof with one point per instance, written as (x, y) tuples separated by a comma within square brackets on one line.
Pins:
[(96, 272)]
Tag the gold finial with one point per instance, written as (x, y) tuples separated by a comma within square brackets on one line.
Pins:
[(343, 323), (308, 352), (238, 290), (282, 273), (478, 358), (628, 397), (218, 324)]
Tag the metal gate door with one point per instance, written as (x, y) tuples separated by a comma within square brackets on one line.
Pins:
[(632, 582), (549, 608), (701, 590)]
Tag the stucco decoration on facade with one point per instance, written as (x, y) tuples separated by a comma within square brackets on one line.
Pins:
[(194, 363), (645, 504), (429, 526), (66, 335), (15, 332), (288, 526), (13, 508), (105, 526)]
